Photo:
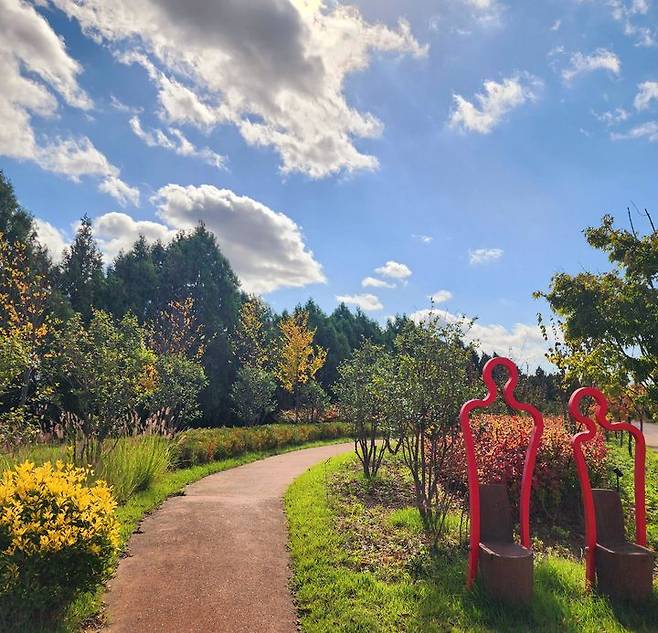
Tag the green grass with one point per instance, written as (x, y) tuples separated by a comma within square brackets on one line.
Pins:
[(334, 591)]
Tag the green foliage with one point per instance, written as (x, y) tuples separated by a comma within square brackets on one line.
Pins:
[(107, 371), (82, 279), (174, 398), (15, 222), (57, 536), (609, 321), (200, 446), (362, 397), (313, 401), (133, 464), (427, 385), (252, 394)]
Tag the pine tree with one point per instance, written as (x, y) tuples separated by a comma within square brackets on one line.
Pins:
[(82, 277)]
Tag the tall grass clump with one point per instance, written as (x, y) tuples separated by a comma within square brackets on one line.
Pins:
[(132, 464)]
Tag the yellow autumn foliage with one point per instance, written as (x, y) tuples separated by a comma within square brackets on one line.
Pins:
[(58, 535), (299, 360)]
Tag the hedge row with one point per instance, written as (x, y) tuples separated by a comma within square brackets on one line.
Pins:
[(200, 446)]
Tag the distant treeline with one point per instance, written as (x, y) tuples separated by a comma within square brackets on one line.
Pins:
[(147, 278)]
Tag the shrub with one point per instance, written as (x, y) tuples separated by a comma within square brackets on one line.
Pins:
[(58, 536), (200, 446), (252, 394), (501, 442)]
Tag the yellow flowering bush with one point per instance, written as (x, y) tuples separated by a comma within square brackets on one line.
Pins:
[(58, 536)]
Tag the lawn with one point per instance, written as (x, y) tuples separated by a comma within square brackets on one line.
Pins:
[(361, 564)]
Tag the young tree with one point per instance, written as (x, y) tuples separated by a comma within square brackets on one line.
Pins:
[(428, 385), (252, 393), (107, 372), (298, 359), (177, 339), (362, 393), (24, 327), (82, 277), (250, 343), (609, 321)]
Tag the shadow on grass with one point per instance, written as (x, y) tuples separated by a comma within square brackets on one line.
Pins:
[(560, 603)]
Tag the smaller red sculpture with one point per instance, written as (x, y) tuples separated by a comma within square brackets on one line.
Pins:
[(625, 568), (474, 487)]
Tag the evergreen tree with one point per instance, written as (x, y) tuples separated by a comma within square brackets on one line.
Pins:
[(15, 222), (82, 278)]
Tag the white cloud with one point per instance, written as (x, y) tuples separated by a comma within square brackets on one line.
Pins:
[(484, 255), (116, 232), (628, 14), (486, 12), (52, 238), (440, 296), (647, 130), (556, 25), (367, 302), (612, 117), (423, 239), (176, 142), (394, 269), (647, 92), (600, 59), (497, 100), (275, 69), (119, 190), (265, 247), (523, 343), (35, 66), (372, 282)]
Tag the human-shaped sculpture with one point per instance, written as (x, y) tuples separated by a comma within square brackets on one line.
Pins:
[(505, 566), (620, 569)]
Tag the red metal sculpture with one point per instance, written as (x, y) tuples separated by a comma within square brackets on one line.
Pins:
[(585, 485), (471, 460)]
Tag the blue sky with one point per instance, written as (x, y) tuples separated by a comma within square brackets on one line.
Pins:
[(378, 153)]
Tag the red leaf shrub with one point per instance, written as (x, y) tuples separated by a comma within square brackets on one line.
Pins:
[(501, 442)]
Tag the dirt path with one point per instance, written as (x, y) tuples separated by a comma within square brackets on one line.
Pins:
[(215, 559)]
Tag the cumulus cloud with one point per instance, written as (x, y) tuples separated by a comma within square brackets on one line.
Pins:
[(367, 302), (522, 343), (484, 255), (176, 142), (440, 296), (600, 59), (116, 232), (35, 67), (52, 238), (647, 130), (497, 100), (265, 247), (423, 239), (647, 92), (373, 282), (275, 69), (394, 270)]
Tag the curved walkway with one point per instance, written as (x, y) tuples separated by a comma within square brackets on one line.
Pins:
[(214, 559)]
